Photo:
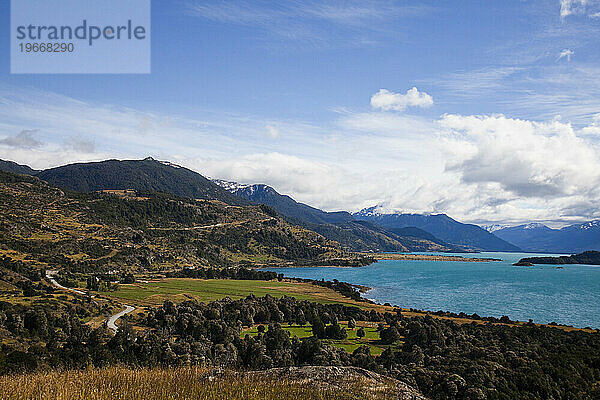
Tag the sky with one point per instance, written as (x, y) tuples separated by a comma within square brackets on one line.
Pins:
[(488, 111)]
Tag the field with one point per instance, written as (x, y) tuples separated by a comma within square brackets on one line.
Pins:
[(179, 383), (155, 292), (351, 343), (206, 290)]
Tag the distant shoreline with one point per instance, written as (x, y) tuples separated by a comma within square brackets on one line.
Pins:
[(392, 256), (427, 257)]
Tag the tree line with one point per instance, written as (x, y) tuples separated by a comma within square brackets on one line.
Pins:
[(445, 360)]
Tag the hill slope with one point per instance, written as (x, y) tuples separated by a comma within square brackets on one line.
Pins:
[(143, 231), (11, 166), (471, 237), (339, 226), (147, 174), (540, 238)]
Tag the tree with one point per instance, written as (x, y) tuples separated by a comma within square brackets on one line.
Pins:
[(93, 283), (389, 335), (300, 318), (318, 328), (127, 278), (351, 323), (335, 331), (360, 332)]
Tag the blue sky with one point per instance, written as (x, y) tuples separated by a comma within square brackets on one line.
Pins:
[(501, 127)]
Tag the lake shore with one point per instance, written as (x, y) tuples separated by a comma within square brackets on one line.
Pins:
[(427, 257)]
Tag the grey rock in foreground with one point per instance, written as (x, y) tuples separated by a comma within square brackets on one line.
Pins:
[(323, 377)]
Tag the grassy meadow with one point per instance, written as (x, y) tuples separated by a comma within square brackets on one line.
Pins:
[(351, 343), (172, 384), (206, 290)]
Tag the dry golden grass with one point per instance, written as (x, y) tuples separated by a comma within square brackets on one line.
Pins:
[(158, 384)]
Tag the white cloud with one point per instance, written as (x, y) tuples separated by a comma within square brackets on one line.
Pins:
[(593, 128), (386, 100), (566, 53), (528, 159), (81, 145), (348, 23), (273, 131), (22, 140), (578, 7), (566, 7), (476, 82), (475, 168), (536, 92)]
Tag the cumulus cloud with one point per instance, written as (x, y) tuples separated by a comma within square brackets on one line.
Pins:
[(386, 100), (23, 140), (526, 158), (479, 169), (593, 128), (566, 53)]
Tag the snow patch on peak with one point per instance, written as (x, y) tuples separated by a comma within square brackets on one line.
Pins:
[(494, 227), (373, 211), (231, 186), (170, 164), (589, 225), (534, 225)]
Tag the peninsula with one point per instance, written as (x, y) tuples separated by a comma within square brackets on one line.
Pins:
[(587, 257), (428, 257)]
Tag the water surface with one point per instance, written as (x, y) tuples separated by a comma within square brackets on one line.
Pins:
[(544, 293)]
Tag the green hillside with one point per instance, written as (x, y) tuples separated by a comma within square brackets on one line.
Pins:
[(147, 174)]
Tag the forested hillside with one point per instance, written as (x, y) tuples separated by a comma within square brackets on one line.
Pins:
[(54, 228), (147, 174)]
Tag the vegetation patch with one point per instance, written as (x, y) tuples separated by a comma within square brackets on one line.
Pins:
[(206, 290), (352, 342)]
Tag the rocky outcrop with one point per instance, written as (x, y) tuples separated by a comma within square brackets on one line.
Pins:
[(374, 386)]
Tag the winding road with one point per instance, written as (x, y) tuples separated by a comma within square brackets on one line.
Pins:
[(113, 318), (50, 275), (111, 321)]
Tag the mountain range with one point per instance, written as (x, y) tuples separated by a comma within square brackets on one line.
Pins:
[(540, 238), (366, 230), (340, 226), (468, 236)]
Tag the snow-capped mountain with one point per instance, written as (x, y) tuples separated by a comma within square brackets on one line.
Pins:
[(536, 237), (368, 212), (493, 227), (231, 186), (586, 225), (534, 225), (340, 226), (441, 226)]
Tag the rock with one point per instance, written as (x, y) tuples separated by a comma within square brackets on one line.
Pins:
[(323, 377), (524, 264)]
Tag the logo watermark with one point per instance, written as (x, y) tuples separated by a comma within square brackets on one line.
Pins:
[(80, 36)]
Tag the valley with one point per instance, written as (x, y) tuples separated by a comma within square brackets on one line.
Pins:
[(168, 269)]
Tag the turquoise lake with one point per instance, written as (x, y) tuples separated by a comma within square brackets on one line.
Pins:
[(544, 293)]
